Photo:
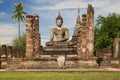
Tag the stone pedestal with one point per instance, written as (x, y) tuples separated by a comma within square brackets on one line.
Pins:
[(60, 49)]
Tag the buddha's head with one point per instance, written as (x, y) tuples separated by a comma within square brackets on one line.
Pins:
[(59, 20)]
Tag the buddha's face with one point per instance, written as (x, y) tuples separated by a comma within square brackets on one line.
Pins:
[(59, 23)]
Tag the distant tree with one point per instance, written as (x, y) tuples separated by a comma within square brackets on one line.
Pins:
[(107, 28), (0, 51), (15, 42), (18, 14)]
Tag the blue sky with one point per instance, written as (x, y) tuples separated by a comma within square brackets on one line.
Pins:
[(48, 11)]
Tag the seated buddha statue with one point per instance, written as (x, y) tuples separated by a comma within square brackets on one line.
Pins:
[(59, 35)]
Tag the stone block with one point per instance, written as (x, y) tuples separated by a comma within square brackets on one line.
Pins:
[(61, 61)]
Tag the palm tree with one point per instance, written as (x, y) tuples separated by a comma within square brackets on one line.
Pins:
[(18, 14)]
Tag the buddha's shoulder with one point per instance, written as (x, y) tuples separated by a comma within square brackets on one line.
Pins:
[(64, 28), (53, 28)]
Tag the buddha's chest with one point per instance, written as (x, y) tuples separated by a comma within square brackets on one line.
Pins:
[(59, 32)]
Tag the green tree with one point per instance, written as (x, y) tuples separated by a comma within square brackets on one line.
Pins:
[(107, 28), (15, 43), (18, 14)]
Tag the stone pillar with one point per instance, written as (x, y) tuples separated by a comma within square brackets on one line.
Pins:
[(14, 53), (19, 53), (29, 36), (4, 51), (116, 48), (33, 43), (90, 45), (82, 41), (85, 46), (9, 52), (37, 36)]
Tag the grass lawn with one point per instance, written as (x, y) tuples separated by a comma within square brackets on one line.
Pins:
[(59, 76)]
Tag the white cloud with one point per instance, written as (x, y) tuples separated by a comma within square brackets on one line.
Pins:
[(106, 6), (2, 13), (38, 1), (102, 7), (1, 2), (114, 7), (72, 4), (111, 7), (43, 1), (7, 33)]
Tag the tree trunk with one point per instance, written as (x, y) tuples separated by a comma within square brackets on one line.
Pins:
[(19, 45)]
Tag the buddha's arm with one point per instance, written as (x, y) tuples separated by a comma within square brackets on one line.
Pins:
[(66, 35), (51, 35)]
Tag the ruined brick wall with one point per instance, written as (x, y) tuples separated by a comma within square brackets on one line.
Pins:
[(116, 48), (32, 36), (105, 52), (85, 46), (4, 51), (9, 52)]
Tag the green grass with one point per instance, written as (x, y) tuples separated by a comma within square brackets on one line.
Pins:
[(59, 76)]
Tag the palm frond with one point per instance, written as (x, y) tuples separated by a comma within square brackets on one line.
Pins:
[(18, 12)]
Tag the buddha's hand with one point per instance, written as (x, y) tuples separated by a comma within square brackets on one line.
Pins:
[(49, 43)]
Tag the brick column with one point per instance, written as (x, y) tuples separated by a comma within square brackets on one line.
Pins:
[(29, 36), (37, 36), (85, 46), (33, 43), (90, 45), (82, 41), (9, 52), (4, 51)]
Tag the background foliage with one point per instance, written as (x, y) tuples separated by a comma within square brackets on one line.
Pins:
[(22, 43), (106, 29)]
